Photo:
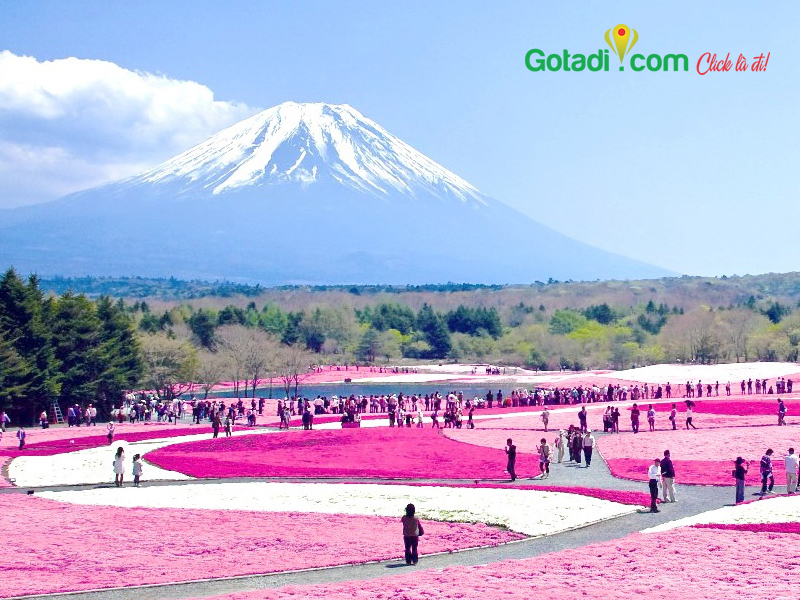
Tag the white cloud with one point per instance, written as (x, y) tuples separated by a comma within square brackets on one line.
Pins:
[(72, 123)]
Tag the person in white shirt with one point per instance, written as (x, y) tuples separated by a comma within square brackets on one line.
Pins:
[(654, 477), (588, 446), (791, 462)]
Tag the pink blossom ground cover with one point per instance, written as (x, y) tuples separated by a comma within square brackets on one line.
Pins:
[(793, 527), (563, 419), (376, 452), (80, 438), (702, 456), (69, 547), (674, 565)]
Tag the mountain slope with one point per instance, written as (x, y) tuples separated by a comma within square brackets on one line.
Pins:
[(300, 193)]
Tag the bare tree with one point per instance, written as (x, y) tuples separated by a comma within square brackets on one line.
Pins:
[(740, 324), (251, 353), (293, 368), (211, 370), (169, 365)]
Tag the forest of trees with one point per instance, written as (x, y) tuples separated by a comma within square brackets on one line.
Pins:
[(90, 348)]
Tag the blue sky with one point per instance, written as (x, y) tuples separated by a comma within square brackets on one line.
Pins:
[(696, 174)]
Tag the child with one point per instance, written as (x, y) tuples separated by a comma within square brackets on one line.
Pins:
[(137, 469)]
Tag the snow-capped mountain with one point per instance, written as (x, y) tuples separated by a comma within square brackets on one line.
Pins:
[(307, 144), (299, 193)]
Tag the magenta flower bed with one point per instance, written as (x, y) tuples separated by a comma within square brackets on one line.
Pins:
[(793, 527), (377, 452), (58, 444), (702, 564), (741, 406), (702, 456), (694, 472), (69, 547)]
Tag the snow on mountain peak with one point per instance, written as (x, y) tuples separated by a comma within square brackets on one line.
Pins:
[(306, 143)]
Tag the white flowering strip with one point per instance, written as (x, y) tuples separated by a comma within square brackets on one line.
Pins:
[(94, 464), (783, 509), (531, 512)]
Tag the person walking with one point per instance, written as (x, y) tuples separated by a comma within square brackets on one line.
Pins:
[(545, 418), (667, 478), (653, 477), (119, 466), (588, 446), (559, 444), (689, 417), (781, 412), (766, 473), (791, 464), (651, 417), (412, 530), (511, 453), (110, 434), (739, 473), (545, 453), (21, 437), (673, 417)]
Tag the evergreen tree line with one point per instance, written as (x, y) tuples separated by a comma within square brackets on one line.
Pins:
[(67, 349)]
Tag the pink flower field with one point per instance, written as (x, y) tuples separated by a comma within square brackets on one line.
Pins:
[(793, 527), (675, 565), (702, 456), (375, 452), (69, 547)]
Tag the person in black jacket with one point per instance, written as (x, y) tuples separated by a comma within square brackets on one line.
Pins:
[(511, 451), (668, 478)]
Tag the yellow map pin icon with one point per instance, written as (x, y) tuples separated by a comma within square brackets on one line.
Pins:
[(621, 35)]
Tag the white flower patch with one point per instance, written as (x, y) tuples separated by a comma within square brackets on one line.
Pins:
[(531, 512), (783, 509), (94, 464)]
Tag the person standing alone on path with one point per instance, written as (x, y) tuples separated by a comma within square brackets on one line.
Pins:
[(582, 417), (766, 472), (412, 529), (119, 467), (651, 417), (791, 463), (739, 473), (635, 418), (511, 452), (667, 478), (588, 446), (137, 469), (673, 417), (654, 476), (21, 437)]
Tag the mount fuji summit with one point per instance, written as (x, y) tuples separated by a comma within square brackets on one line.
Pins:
[(299, 194)]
